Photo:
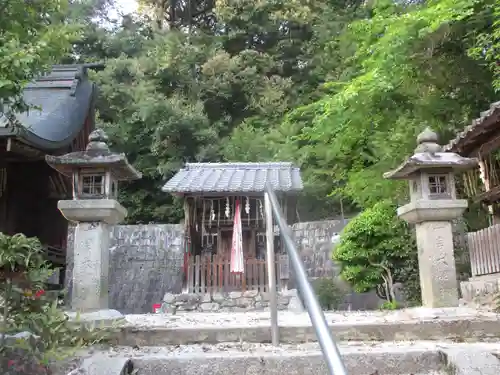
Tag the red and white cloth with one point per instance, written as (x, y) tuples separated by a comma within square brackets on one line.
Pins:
[(237, 264)]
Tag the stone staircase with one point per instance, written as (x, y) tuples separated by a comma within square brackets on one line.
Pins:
[(457, 341)]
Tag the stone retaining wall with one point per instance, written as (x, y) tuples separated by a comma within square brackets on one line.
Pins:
[(228, 302), (146, 261)]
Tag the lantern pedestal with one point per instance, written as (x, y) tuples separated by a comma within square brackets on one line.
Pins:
[(436, 259), (90, 279)]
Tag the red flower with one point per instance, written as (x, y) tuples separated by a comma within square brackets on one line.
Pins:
[(40, 293), (11, 363)]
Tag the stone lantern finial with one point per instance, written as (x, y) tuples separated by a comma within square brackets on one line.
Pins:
[(98, 141), (428, 142)]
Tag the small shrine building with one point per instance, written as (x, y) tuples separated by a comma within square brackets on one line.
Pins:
[(481, 140), (211, 194)]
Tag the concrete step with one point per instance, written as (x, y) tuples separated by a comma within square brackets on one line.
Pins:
[(457, 324), (403, 358)]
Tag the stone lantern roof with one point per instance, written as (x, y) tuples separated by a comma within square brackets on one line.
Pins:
[(96, 156), (430, 155)]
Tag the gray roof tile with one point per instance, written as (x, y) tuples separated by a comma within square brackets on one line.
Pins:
[(476, 126), (234, 178)]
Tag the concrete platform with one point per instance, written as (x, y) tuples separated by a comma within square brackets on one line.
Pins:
[(457, 324), (402, 358)]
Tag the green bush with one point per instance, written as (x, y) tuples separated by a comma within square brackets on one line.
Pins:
[(26, 307), (329, 294), (376, 250), (392, 305)]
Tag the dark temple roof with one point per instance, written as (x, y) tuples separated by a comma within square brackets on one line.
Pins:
[(235, 178), (62, 98), (481, 130)]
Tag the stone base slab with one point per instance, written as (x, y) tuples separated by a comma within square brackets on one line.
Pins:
[(459, 330), (478, 287), (362, 363)]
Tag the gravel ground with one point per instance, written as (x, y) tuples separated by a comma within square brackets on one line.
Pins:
[(253, 319)]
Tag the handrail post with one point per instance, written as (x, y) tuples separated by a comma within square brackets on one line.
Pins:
[(271, 274), (330, 350)]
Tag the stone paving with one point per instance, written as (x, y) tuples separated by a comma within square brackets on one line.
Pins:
[(413, 341), (457, 324), (287, 318)]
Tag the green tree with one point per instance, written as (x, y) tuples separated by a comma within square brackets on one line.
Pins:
[(341, 88), (405, 66), (33, 35), (176, 97), (377, 250)]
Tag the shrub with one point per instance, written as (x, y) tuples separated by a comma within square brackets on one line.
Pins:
[(376, 250), (392, 305), (48, 335), (329, 294)]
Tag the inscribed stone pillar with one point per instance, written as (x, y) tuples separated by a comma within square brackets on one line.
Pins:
[(437, 264), (91, 267), (433, 207)]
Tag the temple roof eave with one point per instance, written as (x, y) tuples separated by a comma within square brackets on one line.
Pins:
[(60, 104)]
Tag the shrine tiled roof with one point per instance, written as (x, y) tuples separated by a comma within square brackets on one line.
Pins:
[(234, 178), (481, 130), (60, 102)]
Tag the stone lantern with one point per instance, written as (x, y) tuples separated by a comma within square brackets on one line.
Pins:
[(95, 174), (433, 207)]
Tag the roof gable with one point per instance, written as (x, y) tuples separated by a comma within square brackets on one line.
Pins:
[(60, 103)]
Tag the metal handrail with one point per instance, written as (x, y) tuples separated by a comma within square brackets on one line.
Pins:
[(329, 348)]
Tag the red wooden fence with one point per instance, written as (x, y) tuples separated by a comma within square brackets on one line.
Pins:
[(211, 274)]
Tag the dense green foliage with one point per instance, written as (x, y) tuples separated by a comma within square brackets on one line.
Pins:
[(340, 87), (411, 67), (377, 249), (26, 307), (33, 35)]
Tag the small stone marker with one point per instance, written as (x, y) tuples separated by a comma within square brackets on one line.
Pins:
[(100, 364)]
